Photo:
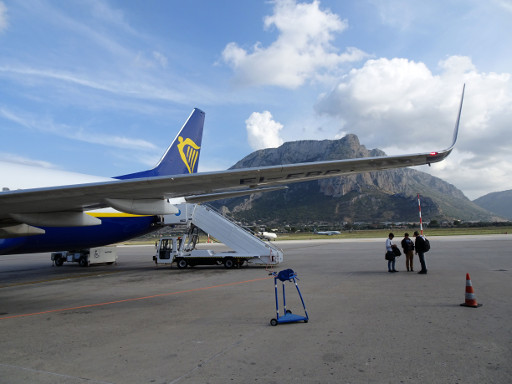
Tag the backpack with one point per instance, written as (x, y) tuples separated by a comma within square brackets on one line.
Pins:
[(426, 245)]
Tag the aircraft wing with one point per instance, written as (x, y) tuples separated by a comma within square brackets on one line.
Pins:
[(15, 205), (194, 186)]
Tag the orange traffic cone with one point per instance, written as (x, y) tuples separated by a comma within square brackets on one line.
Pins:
[(470, 295)]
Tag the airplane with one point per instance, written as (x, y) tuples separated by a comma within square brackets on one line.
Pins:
[(267, 235), (328, 233), (36, 216), (45, 232), (264, 235)]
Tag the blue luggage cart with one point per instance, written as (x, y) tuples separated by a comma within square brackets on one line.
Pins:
[(288, 317)]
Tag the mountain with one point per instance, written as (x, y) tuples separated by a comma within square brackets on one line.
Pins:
[(499, 203), (384, 196)]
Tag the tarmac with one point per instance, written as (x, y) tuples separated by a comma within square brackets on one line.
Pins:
[(135, 322)]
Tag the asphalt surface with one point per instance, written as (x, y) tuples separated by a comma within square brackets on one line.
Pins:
[(136, 323)]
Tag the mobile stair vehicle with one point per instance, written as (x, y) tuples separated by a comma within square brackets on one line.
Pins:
[(245, 247)]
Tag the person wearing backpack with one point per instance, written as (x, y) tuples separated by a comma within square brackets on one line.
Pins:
[(408, 247), (419, 244)]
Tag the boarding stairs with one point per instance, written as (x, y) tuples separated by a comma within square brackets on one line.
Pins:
[(242, 242)]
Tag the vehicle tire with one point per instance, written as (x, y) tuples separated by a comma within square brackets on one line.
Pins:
[(273, 322), (229, 263), (181, 263), (58, 261), (83, 262)]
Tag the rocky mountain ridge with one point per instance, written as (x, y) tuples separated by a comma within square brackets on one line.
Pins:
[(500, 203), (383, 196)]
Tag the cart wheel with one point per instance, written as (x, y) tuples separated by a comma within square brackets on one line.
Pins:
[(59, 261), (288, 311), (305, 321), (273, 322), (182, 263), (83, 262), (229, 263)]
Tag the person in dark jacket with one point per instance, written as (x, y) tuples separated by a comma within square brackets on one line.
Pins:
[(419, 244), (408, 247)]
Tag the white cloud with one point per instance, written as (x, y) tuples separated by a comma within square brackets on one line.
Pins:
[(505, 4), (303, 50), (17, 159), (3, 16), (398, 13), (74, 133), (160, 58), (132, 87), (399, 105), (262, 131)]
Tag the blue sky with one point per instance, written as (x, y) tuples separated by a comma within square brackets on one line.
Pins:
[(102, 87)]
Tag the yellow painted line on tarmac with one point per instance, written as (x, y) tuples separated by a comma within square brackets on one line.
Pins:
[(135, 299), (58, 278)]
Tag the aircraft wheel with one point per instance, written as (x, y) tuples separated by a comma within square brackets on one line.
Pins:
[(229, 263), (58, 261), (273, 322), (182, 263)]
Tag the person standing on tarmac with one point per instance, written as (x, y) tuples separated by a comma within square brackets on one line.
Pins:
[(419, 244), (408, 247), (390, 255)]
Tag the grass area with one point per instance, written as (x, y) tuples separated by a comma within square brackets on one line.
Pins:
[(371, 233), (399, 232)]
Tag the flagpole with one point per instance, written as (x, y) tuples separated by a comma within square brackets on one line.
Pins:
[(419, 208)]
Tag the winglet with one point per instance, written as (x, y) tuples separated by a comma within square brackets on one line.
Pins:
[(456, 131), (434, 157), (182, 156)]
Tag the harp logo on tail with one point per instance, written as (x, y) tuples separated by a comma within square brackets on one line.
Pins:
[(189, 152)]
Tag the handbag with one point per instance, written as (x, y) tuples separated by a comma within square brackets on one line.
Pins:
[(396, 251), (389, 256)]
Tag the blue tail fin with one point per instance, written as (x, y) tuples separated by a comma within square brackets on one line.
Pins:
[(182, 156)]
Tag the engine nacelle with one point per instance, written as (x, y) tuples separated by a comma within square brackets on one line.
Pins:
[(143, 206)]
